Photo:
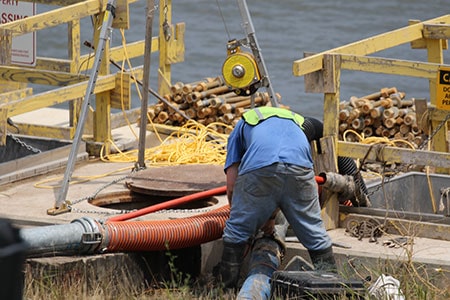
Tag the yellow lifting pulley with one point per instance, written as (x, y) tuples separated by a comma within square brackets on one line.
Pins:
[(240, 70)]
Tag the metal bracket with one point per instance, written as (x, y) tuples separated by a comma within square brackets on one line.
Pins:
[(90, 238), (64, 208)]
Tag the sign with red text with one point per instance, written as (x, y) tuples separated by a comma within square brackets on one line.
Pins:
[(443, 89), (24, 46)]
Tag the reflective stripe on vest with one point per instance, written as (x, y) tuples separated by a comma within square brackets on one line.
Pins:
[(259, 114)]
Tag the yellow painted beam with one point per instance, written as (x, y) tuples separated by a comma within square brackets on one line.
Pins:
[(366, 46), (40, 76), (53, 64), (55, 132), (380, 153), (436, 31), (389, 66), (15, 95), (57, 96), (117, 54), (54, 17)]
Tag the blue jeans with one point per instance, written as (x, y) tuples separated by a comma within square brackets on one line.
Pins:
[(257, 194)]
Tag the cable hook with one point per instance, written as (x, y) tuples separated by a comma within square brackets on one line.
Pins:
[(167, 29)]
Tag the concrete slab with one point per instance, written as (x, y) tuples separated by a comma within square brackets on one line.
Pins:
[(26, 202)]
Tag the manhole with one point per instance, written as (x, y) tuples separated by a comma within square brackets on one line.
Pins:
[(129, 200), (156, 185)]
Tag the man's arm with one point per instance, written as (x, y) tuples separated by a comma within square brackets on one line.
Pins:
[(232, 173)]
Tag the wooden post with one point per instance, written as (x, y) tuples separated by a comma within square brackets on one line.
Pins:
[(5, 46), (331, 74)]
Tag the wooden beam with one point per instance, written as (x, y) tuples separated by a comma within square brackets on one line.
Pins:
[(381, 153), (436, 31), (57, 96), (5, 46), (366, 46), (389, 66), (118, 54), (53, 18), (15, 95), (28, 75)]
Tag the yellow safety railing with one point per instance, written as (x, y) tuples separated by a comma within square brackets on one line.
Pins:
[(322, 72), (112, 90)]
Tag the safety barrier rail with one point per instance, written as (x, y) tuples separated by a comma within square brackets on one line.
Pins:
[(322, 73), (112, 90)]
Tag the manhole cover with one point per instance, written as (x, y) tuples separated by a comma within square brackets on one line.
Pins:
[(178, 180)]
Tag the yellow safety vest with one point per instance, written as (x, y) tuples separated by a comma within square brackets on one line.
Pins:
[(258, 114)]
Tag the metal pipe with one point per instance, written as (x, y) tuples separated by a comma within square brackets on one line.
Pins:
[(146, 77), (81, 236), (265, 259)]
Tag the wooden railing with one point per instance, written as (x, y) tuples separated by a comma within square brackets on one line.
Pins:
[(112, 90), (322, 75)]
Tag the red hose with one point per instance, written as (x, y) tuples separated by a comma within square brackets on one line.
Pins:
[(169, 204), (320, 180), (158, 235)]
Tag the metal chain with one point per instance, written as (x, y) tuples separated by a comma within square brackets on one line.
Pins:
[(23, 144), (123, 211), (435, 131), (94, 195)]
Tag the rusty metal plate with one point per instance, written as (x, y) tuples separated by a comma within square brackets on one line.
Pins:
[(177, 180)]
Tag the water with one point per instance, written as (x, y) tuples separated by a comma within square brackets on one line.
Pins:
[(285, 30)]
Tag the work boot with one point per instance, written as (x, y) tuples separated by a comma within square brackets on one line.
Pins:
[(323, 260), (228, 270)]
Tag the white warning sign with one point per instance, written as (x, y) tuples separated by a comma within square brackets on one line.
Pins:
[(24, 46)]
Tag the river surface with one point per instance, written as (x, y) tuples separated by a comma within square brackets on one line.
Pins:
[(284, 30)]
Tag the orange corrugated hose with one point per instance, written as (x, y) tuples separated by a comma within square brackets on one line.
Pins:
[(157, 235)]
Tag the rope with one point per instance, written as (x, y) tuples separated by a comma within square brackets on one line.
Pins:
[(193, 143)]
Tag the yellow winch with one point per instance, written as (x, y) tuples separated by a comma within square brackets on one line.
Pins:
[(240, 70)]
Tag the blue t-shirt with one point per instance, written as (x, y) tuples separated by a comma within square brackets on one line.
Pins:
[(272, 140)]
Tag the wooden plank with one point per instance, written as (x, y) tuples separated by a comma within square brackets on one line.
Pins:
[(121, 95), (63, 2), (122, 18), (55, 132), (175, 49), (57, 96), (330, 206), (53, 64), (3, 126), (15, 95), (5, 46), (118, 53), (436, 31), (389, 66), (54, 17), (124, 90), (380, 153), (366, 46), (28, 75)]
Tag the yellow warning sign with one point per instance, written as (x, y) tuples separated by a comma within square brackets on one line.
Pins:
[(443, 89)]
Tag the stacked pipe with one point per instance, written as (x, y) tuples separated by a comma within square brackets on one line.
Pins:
[(386, 113), (207, 101)]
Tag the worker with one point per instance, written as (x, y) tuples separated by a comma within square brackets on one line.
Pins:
[(269, 167)]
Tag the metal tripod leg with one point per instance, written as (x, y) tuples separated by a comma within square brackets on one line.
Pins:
[(250, 31), (61, 203)]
